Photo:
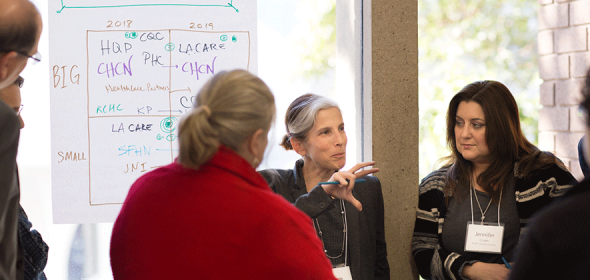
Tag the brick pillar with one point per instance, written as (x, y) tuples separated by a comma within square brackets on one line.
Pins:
[(564, 58)]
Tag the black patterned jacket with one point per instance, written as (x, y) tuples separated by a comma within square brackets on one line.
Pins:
[(432, 260), (34, 249)]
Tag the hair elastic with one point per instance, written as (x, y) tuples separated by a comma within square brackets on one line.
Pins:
[(206, 109)]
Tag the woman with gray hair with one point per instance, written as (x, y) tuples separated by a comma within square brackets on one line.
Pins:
[(347, 213), (209, 215)]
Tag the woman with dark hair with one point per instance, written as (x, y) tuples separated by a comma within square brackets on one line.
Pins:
[(472, 211), (347, 215)]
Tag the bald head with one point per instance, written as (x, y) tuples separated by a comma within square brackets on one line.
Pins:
[(18, 25), (20, 30)]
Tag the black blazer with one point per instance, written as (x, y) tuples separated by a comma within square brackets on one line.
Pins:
[(366, 234)]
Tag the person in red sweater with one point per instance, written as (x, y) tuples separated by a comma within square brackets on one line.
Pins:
[(210, 215)]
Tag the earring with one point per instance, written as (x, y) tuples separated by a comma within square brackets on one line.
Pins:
[(255, 162)]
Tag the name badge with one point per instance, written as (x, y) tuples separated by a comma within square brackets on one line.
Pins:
[(342, 273), (484, 238)]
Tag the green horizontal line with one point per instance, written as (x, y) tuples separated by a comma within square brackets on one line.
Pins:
[(229, 5)]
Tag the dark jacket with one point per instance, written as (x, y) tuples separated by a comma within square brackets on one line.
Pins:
[(366, 234), (557, 245), (9, 192)]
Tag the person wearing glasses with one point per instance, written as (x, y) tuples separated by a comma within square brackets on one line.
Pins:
[(472, 211), (32, 248), (20, 30)]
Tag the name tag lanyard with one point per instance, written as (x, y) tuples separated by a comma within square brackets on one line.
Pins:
[(484, 238), (483, 213), (344, 239)]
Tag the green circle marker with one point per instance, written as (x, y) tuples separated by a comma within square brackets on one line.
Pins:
[(167, 124), (169, 47), (234, 38), (223, 38), (131, 35)]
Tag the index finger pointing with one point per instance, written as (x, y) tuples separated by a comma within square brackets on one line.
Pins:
[(364, 173), (361, 165)]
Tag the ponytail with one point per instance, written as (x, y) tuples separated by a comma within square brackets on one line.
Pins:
[(198, 139), (286, 143), (229, 108)]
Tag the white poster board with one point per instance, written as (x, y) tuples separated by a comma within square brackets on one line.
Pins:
[(123, 73)]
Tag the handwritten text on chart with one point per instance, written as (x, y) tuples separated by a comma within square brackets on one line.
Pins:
[(118, 68), (109, 108), (135, 150), (140, 83), (132, 128), (57, 78), (70, 156), (130, 167), (132, 88)]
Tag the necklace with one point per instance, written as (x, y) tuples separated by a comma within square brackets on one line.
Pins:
[(345, 233), (483, 213)]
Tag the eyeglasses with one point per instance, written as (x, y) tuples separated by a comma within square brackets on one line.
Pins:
[(20, 109), (36, 57)]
